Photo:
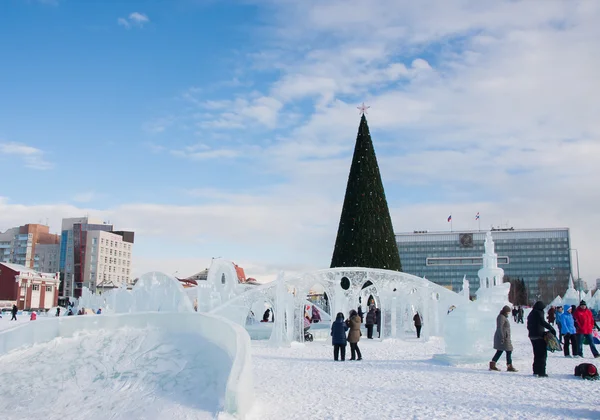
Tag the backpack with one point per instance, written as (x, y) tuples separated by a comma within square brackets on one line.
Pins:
[(587, 371), (552, 343)]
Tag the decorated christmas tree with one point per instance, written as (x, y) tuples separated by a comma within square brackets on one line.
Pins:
[(365, 235)]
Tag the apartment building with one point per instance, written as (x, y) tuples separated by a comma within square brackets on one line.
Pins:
[(18, 244)]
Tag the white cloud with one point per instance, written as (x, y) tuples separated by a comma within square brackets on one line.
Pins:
[(32, 157), (476, 105), (135, 19)]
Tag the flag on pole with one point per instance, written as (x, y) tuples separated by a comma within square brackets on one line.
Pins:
[(477, 216), (450, 218)]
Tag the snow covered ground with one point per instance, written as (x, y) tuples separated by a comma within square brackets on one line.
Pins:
[(149, 374), (399, 379), (120, 374)]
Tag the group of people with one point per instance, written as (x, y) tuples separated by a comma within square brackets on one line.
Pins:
[(352, 325), (576, 327), (518, 312), (339, 339)]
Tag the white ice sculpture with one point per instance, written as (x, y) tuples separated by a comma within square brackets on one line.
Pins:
[(571, 296), (155, 292), (470, 327), (556, 302), (466, 289)]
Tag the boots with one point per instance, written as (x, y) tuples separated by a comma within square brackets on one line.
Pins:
[(493, 366), (510, 368)]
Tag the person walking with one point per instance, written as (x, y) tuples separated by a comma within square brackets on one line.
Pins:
[(585, 325), (378, 321), (502, 341), (338, 337), (520, 314), (568, 331), (353, 323), (418, 323), (537, 325), (514, 314), (14, 311)]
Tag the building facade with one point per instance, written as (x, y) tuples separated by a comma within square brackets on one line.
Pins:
[(29, 289), (446, 257), (18, 245), (107, 260), (47, 258), (92, 254)]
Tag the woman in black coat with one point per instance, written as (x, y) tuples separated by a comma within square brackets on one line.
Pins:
[(338, 336), (537, 325)]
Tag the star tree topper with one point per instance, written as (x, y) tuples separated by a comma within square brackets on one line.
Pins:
[(363, 109)]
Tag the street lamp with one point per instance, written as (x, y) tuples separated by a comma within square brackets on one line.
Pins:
[(577, 256)]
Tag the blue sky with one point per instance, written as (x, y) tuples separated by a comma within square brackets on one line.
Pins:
[(225, 128)]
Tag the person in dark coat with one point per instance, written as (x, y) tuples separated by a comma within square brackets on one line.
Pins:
[(551, 315), (520, 314), (370, 321), (502, 341), (360, 312), (537, 325), (418, 323), (378, 321), (266, 316), (58, 311), (338, 337), (353, 323), (515, 311), (14, 313)]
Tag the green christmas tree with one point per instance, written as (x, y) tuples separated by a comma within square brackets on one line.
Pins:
[(365, 236)]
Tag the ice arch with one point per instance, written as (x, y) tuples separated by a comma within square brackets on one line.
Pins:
[(400, 295)]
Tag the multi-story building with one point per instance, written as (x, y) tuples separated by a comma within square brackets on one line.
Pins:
[(108, 260), (528, 254), (27, 288), (91, 254), (47, 258), (18, 245)]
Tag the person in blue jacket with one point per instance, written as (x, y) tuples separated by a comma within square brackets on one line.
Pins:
[(338, 336), (569, 333)]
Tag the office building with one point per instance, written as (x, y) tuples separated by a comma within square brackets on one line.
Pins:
[(93, 255), (18, 245), (533, 255)]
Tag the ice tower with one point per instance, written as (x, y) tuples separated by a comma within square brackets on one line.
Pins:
[(490, 274)]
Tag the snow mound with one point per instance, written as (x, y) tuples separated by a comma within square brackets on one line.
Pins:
[(119, 374)]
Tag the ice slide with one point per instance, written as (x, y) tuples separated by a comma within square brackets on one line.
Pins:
[(134, 366)]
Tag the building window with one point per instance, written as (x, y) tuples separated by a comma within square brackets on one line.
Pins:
[(36, 287), (49, 289), (94, 241)]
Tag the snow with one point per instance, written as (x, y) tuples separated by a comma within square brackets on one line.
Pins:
[(128, 372), (400, 379)]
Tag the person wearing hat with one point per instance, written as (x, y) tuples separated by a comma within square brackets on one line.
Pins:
[(537, 326), (502, 341), (584, 320)]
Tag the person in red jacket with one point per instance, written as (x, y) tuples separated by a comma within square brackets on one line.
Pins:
[(584, 320)]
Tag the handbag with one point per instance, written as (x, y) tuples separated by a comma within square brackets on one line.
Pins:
[(552, 343)]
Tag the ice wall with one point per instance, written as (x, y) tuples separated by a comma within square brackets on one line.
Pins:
[(233, 339)]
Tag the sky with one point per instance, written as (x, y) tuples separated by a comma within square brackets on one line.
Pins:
[(226, 128)]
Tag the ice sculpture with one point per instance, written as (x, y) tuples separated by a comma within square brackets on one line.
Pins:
[(466, 289), (469, 329), (155, 291), (571, 296)]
